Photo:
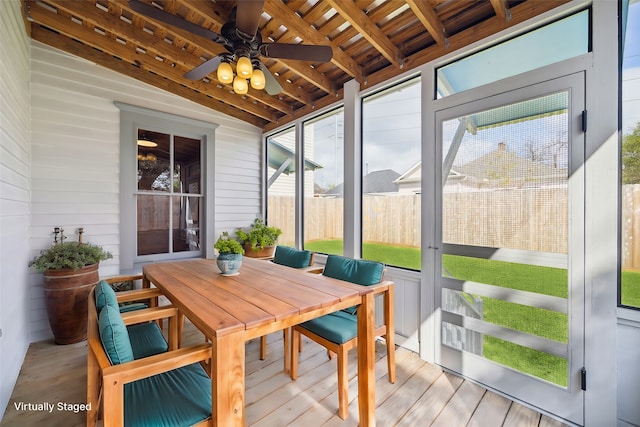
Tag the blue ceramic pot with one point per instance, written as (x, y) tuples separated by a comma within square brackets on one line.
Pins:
[(229, 264)]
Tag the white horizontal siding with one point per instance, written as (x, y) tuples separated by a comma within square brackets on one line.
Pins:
[(76, 156), (14, 196)]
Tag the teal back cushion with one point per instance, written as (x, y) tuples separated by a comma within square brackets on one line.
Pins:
[(114, 336), (360, 271), (105, 295), (292, 257)]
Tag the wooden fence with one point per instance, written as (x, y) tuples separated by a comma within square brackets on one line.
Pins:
[(529, 219), (630, 227)]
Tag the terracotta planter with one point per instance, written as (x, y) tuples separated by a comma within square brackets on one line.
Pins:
[(266, 252), (66, 293)]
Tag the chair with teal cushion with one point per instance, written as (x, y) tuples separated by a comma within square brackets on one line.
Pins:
[(105, 295), (294, 258), (147, 337), (137, 386), (338, 331)]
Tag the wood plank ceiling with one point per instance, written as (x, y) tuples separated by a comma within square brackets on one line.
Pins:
[(372, 41)]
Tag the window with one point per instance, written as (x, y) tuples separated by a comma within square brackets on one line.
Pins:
[(323, 183), (165, 193), (281, 184), (629, 294), (168, 197), (391, 181), (569, 38)]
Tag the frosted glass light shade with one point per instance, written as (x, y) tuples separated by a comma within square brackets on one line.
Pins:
[(240, 85), (257, 79), (244, 67), (225, 73)]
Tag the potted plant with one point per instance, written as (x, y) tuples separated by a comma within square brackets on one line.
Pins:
[(70, 272), (230, 253), (259, 240)]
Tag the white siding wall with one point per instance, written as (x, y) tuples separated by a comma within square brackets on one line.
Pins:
[(14, 196), (75, 160)]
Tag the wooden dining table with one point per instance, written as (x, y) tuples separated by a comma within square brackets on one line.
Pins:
[(263, 297)]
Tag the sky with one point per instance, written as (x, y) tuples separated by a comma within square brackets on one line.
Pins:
[(631, 70), (391, 126)]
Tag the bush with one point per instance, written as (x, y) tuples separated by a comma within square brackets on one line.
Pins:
[(69, 256)]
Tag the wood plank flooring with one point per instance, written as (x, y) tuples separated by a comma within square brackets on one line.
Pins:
[(423, 394)]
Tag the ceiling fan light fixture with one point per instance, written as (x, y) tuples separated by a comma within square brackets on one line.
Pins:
[(225, 73), (258, 80), (240, 86), (244, 68)]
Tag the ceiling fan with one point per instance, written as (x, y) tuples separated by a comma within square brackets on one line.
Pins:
[(241, 38)]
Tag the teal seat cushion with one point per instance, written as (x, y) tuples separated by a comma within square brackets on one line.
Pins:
[(292, 257), (146, 340), (105, 295), (181, 397), (360, 271), (338, 327), (114, 336)]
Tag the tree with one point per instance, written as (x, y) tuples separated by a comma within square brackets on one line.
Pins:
[(631, 157)]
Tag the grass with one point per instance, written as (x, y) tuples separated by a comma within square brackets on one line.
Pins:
[(535, 321), (540, 322), (631, 288)]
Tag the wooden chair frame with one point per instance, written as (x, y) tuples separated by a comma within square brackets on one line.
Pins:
[(385, 330), (105, 382)]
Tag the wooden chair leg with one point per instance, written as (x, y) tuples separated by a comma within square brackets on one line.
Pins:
[(343, 384), (391, 356)]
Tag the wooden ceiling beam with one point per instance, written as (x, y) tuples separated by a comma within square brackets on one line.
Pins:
[(427, 16), (293, 22), (368, 29), (213, 12), (66, 44), (67, 27), (501, 9)]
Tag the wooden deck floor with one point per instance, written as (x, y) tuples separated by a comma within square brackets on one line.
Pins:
[(423, 394)]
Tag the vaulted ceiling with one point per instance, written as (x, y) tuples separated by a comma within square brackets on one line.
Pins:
[(372, 41)]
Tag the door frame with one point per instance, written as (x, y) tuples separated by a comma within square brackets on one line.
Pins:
[(529, 82)]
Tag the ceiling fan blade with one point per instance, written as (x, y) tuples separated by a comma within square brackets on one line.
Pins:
[(248, 14), (302, 52), (176, 21), (272, 87), (203, 69)]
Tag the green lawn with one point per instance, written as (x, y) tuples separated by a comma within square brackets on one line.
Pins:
[(543, 323), (543, 280), (631, 288)]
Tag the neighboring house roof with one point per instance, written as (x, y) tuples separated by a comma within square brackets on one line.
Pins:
[(413, 174), (383, 181), (505, 168), (282, 157), (500, 168)]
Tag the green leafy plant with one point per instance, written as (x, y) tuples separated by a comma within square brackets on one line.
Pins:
[(69, 256), (259, 235), (226, 245)]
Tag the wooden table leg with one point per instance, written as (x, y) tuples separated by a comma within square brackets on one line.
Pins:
[(366, 362), (227, 373)]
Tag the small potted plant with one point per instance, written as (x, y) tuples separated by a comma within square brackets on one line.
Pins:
[(70, 271), (259, 240), (229, 254)]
